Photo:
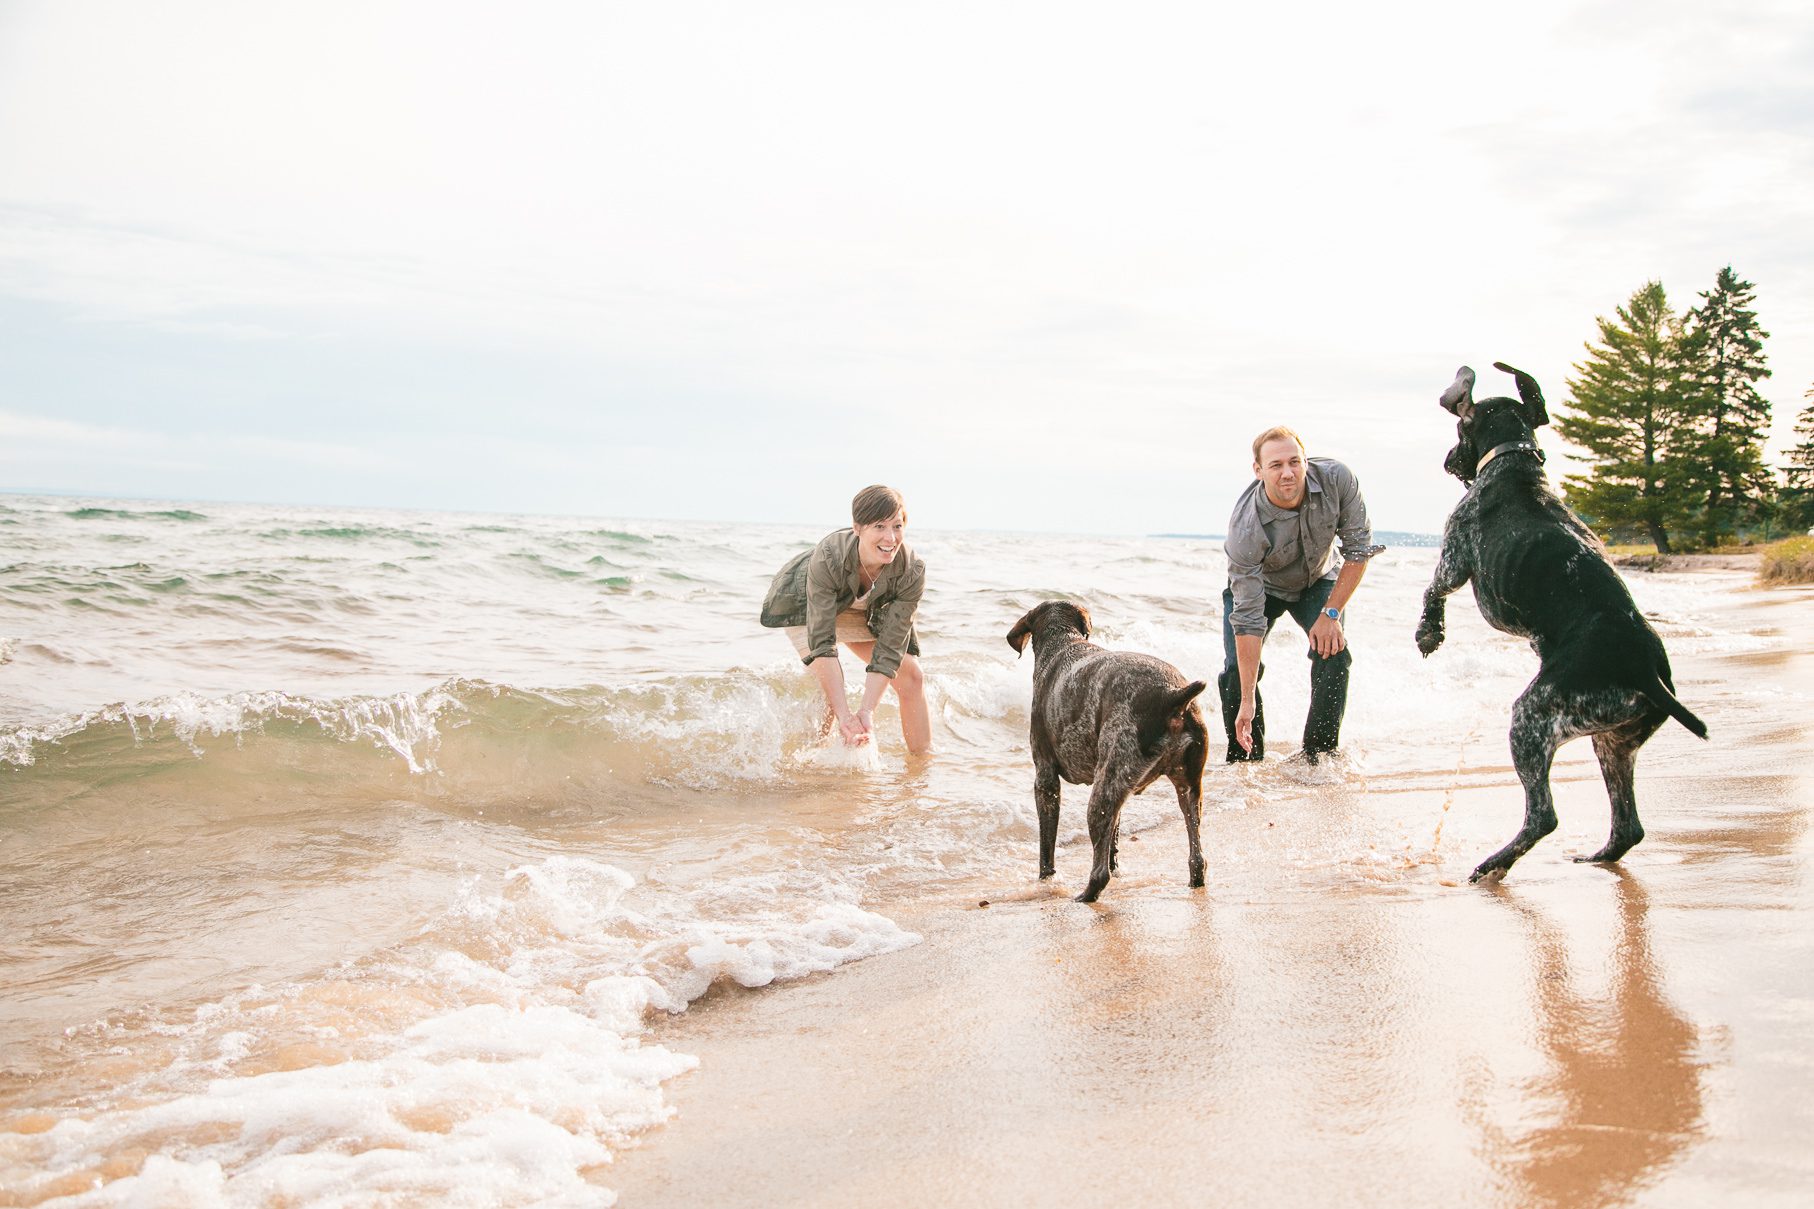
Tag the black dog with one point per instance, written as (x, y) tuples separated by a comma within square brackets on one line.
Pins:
[(1539, 572), (1112, 720)]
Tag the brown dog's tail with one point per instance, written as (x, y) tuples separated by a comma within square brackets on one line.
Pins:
[(1160, 712), (1663, 699)]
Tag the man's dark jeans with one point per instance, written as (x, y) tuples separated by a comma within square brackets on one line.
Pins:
[(1328, 677)]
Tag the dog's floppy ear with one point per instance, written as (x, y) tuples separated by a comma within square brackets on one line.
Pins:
[(1085, 614), (1017, 637), (1459, 398), (1535, 413)]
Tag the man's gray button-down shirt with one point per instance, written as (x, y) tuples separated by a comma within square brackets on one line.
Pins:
[(1282, 551)]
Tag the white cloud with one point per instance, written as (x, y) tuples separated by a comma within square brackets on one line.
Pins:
[(949, 220), (30, 443)]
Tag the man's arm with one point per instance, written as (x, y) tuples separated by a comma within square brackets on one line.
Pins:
[(1354, 529), (1247, 589), (1246, 549), (1326, 637), (1247, 659)]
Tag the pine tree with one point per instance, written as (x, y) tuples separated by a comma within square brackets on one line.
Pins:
[(1721, 447), (1798, 475), (1630, 397)]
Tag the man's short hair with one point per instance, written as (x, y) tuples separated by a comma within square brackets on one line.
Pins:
[(1276, 432)]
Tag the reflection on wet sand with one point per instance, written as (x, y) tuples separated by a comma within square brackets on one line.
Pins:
[(1621, 1098), (1114, 962), (1754, 825)]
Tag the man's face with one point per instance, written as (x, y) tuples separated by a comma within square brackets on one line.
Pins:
[(1281, 469)]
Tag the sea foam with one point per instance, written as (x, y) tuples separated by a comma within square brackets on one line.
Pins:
[(498, 1059)]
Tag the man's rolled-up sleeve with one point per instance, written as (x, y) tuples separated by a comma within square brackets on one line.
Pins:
[(1245, 551), (1353, 530)]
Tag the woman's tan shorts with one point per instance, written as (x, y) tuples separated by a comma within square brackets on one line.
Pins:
[(853, 626)]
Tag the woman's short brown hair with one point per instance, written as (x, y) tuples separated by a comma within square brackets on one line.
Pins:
[(1275, 433), (877, 503)]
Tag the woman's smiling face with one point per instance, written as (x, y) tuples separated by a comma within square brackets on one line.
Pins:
[(879, 540)]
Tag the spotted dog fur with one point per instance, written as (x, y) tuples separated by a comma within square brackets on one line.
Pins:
[(1539, 572), (1112, 720)]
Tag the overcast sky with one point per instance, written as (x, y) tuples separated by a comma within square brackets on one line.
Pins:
[(1039, 265)]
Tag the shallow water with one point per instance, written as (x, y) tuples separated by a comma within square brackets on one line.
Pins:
[(347, 854)]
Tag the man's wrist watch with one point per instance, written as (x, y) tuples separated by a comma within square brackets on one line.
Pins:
[(1333, 614)]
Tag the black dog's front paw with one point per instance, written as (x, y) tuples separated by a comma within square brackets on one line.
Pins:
[(1429, 637)]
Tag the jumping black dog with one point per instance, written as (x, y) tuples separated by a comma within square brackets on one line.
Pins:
[(1539, 572), (1113, 720)]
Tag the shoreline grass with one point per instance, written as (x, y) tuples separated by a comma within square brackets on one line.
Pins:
[(1790, 561)]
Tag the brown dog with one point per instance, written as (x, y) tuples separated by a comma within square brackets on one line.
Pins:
[(1113, 720)]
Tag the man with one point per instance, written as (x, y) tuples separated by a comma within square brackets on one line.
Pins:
[(1281, 559)]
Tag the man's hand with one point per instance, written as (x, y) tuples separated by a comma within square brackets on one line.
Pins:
[(1326, 637), (1244, 724)]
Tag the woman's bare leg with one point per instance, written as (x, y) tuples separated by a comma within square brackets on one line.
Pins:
[(909, 685), (916, 718)]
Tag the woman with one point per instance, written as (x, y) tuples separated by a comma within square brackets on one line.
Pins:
[(860, 586)]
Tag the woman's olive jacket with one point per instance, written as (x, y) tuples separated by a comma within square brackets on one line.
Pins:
[(818, 584)]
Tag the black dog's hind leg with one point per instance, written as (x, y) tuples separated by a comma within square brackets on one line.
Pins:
[(1046, 789), (1618, 752), (1536, 733)]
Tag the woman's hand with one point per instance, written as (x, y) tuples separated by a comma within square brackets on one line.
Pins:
[(866, 720), (854, 729)]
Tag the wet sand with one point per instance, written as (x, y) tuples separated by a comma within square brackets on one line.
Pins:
[(1574, 1035)]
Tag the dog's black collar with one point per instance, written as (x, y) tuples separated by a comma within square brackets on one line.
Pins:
[(1507, 447)]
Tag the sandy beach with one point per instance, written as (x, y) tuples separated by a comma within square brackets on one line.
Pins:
[(1296, 1035)]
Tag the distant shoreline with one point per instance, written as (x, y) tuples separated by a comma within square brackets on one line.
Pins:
[(1391, 537), (1745, 560)]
